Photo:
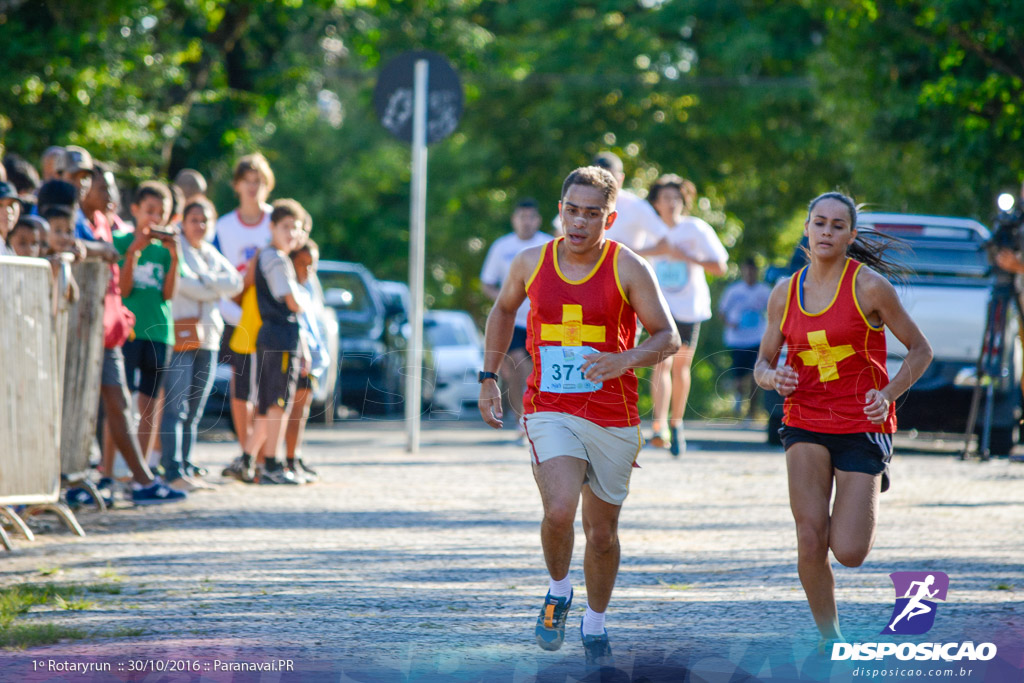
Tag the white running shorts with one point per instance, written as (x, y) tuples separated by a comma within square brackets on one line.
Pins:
[(609, 451)]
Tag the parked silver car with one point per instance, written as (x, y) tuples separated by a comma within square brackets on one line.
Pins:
[(458, 357)]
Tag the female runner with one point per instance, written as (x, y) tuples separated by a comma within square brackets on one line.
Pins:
[(839, 413)]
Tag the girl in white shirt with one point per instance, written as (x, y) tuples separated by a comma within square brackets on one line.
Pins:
[(206, 276)]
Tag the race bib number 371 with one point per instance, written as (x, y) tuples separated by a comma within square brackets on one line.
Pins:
[(560, 370)]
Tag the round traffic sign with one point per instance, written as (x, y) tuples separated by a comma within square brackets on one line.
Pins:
[(393, 96)]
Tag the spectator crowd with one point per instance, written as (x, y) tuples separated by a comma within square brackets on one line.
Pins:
[(189, 290), (186, 291)]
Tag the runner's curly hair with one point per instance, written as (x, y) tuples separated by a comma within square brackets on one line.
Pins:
[(594, 176)]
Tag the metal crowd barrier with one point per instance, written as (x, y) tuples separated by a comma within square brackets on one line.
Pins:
[(83, 363), (32, 341)]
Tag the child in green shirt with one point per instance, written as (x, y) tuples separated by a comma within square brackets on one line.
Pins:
[(149, 278)]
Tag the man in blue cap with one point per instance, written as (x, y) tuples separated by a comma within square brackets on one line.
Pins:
[(78, 168)]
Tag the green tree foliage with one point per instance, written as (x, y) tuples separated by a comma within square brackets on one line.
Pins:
[(156, 86), (909, 104), (928, 96)]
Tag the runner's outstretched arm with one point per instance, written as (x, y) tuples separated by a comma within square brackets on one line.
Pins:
[(500, 326), (643, 294), (881, 302)]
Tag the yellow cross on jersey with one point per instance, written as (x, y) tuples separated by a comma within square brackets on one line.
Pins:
[(571, 319), (572, 331), (824, 356), (839, 356)]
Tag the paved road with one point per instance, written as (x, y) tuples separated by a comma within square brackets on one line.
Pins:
[(430, 563)]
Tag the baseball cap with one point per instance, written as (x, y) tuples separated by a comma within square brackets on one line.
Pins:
[(28, 204), (56, 193), (609, 161), (52, 210), (34, 222), (8, 191), (76, 159)]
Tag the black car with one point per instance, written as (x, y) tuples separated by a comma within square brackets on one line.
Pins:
[(374, 333)]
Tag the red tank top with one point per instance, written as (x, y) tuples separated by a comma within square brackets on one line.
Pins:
[(592, 312), (838, 355)]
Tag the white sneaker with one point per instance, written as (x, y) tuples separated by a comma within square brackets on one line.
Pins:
[(199, 484), (182, 484)]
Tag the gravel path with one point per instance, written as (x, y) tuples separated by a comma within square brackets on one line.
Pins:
[(428, 566)]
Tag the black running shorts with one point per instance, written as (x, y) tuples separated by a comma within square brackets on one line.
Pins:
[(867, 452), (277, 375)]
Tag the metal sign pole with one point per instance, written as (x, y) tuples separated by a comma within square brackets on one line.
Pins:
[(417, 256)]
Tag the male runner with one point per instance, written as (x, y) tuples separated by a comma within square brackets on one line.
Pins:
[(637, 224), (581, 415)]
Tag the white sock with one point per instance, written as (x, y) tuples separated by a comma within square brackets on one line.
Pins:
[(593, 622), (154, 459), (560, 589)]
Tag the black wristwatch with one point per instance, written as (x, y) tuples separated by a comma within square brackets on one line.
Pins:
[(486, 375)]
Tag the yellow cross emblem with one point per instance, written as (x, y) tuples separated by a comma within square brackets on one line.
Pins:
[(824, 356), (572, 331)]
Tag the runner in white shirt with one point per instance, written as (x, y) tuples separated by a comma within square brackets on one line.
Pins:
[(518, 365), (689, 249), (637, 225), (743, 307)]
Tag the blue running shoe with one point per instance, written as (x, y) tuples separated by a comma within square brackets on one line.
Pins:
[(677, 442), (156, 494), (77, 497), (597, 648), (110, 487), (550, 629)]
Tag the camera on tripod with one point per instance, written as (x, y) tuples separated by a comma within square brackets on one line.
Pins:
[(1006, 230), (995, 364)]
